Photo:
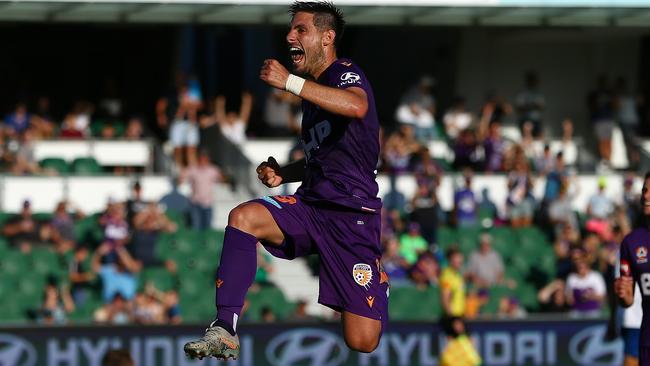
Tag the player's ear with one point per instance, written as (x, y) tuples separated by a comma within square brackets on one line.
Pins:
[(328, 37)]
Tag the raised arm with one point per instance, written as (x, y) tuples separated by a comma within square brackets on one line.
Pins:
[(246, 107), (220, 109), (351, 102)]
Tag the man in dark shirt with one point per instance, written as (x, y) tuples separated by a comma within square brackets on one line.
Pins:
[(334, 213)]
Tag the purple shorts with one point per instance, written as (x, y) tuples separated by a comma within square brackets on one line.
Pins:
[(348, 245)]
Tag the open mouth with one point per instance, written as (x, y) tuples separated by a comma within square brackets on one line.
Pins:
[(297, 54)]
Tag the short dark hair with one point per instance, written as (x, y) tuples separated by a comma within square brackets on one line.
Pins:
[(326, 16), (117, 357)]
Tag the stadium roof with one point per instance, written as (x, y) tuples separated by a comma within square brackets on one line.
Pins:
[(634, 13)]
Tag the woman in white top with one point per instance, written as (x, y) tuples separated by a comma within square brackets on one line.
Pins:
[(233, 125)]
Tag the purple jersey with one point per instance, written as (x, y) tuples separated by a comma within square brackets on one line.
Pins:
[(635, 261), (341, 153)]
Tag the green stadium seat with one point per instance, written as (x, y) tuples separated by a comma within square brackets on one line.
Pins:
[(411, 303), (96, 127), (57, 164), (161, 278), (446, 236), (86, 166), (495, 294), (13, 263), (527, 296), (45, 261), (43, 216), (267, 296)]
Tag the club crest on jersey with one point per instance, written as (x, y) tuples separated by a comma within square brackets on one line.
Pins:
[(641, 255), (362, 274)]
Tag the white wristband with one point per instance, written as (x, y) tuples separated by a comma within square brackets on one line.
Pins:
[(294, 84)]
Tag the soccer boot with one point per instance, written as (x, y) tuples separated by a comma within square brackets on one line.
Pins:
[(216, 342)]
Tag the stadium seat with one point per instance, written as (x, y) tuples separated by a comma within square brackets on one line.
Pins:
[(57, 164), (446, 236), (161, 278), (267, 296), (45, 261), (403, 300), (86, 166)]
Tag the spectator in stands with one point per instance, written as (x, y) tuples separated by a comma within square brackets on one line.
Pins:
[(555, 178), (585, 288), (280, 114), (552, 297), (495, 108), (485, 267), (627, 106), (117, 278), (465, 205), (426, 169), (510, 308), (425, 210), (42, 122), (76, 124), (24, 160), (63, 227), (394, 200), (266, 314), (148, 224), (172, 307), (520, 203), (467, 151), (457, 119), (395, 266), (425, 271), (117, 358), (175, 203), (80, 275), (134, 129), (147, 309), (487, 210), (300, 315), (23, 231), (452, 285), (545, 163), (602, 116), (136, 203), (530, 104), (233, 124), (399, 148), (17, 121), (57, 304), (495, 148), (599, 209), (560, 211), (116, 229), (412, 244), (562, 247), (118, 311), (178, 111), (184, 131), (202, 178), (418, 108)]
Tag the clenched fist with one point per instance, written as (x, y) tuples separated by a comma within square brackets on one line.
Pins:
[(274, 74), (624, 289), (269, 173)]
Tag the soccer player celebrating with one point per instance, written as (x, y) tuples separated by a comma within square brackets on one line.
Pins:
[(636, 268), (335, 212)]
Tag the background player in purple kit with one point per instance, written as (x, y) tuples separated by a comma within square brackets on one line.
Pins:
[(635, 267), (334, 213)]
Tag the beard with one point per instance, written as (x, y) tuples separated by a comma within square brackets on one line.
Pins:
[(313, 60)]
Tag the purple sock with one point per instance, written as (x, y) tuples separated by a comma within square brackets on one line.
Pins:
[(235, 275)]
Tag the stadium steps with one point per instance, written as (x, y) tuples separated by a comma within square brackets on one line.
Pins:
[(226, 200), (295, 280)]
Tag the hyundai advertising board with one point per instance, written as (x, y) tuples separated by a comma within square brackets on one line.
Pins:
[(500, 343)]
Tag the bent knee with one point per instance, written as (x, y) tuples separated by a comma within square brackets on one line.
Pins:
[(242, 217), (364, 344)]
